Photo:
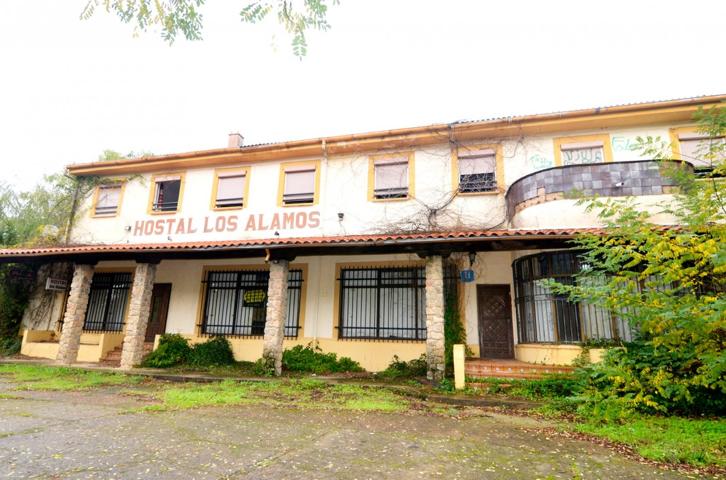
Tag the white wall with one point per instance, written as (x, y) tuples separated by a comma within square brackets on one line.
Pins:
[(344, 188)]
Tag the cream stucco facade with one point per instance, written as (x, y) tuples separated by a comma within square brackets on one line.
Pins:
[(531, 210)]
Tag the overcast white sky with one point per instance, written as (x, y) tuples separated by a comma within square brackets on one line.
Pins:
[(70, 89)]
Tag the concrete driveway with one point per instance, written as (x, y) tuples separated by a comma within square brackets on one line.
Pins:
[(99, 434)]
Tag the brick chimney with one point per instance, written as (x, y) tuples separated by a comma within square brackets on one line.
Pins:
[(236, 140)]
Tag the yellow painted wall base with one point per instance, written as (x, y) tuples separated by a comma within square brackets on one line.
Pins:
[(93, 347), (547, 354), (372, 356)]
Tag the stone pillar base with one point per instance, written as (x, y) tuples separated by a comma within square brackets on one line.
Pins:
[(138, 317), (75, 314)]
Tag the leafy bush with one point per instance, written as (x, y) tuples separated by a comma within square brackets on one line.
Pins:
[(10, 346), (668, 284), (454, 332), (402, 369), (173, 350), (213, 352), (642, 377), (311, 359), (551, 387)]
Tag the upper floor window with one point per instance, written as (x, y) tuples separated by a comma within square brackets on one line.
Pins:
[(583, 150), (108, 199), (478, 169), (299, 183), (391, 177), (166, 191), (230, 188), (698, 148)]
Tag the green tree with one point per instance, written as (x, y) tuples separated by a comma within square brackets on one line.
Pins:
[(184, 17), (669, 284)]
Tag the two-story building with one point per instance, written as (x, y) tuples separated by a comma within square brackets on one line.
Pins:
[(355, 242)]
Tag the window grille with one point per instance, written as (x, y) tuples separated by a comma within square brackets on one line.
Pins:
[(107, 302), (382, 303), (477, 171), (235, 303), (545, 317)]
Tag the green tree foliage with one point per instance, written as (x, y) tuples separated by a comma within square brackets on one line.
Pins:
[(175, 17), (669, 284), (37, 217), (454, 332)]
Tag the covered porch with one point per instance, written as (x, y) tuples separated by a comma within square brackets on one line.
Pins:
[(308, 285)]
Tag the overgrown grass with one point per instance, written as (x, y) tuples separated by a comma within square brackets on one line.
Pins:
[(37, 377), (698, 442), (304, 393), (694, 441)]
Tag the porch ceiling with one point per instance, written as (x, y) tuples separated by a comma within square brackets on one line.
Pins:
[(422, 243)]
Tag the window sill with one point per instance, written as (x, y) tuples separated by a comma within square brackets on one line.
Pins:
[(222, 209), (383, 200), (104, 215), (474, 194), (155, 212), (288, 205)]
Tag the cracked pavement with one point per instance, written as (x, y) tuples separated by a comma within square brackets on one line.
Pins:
[(97, 435)]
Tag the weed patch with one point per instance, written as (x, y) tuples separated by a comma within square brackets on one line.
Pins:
[(36, 377)]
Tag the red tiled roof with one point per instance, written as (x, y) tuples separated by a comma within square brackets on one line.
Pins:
[(375, 239)]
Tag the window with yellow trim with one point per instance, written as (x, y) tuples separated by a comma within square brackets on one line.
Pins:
[(299, 184), (582, 150), (167, 193), (391, 177), (477, 170), (108, 200), (700, 149), (230, 189)]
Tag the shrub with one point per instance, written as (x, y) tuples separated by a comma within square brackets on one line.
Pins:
[(9, 346), (213, 352), (402, 369), (454, 332), (173, 350), (641, 377), (311, 359)]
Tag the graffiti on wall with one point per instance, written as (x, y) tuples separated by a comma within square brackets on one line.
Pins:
[(624, 144), (539, 162)]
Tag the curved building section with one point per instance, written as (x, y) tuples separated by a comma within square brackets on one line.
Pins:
[(550, 196)]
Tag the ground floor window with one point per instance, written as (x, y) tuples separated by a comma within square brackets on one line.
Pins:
[(545, 317), (235, 303), (107, 302), (382, 303)]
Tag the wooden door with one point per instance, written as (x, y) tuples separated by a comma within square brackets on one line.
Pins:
[(159, 309), (494, 312)]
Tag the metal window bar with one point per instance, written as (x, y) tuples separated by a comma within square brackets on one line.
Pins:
[(107, 302), (382, 303), (235, 303), (161, 202), (477, 182), (544, 317)]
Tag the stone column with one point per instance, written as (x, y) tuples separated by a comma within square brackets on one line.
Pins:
[(435, 317), (75, 314), (138, 316), (276, 313)]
